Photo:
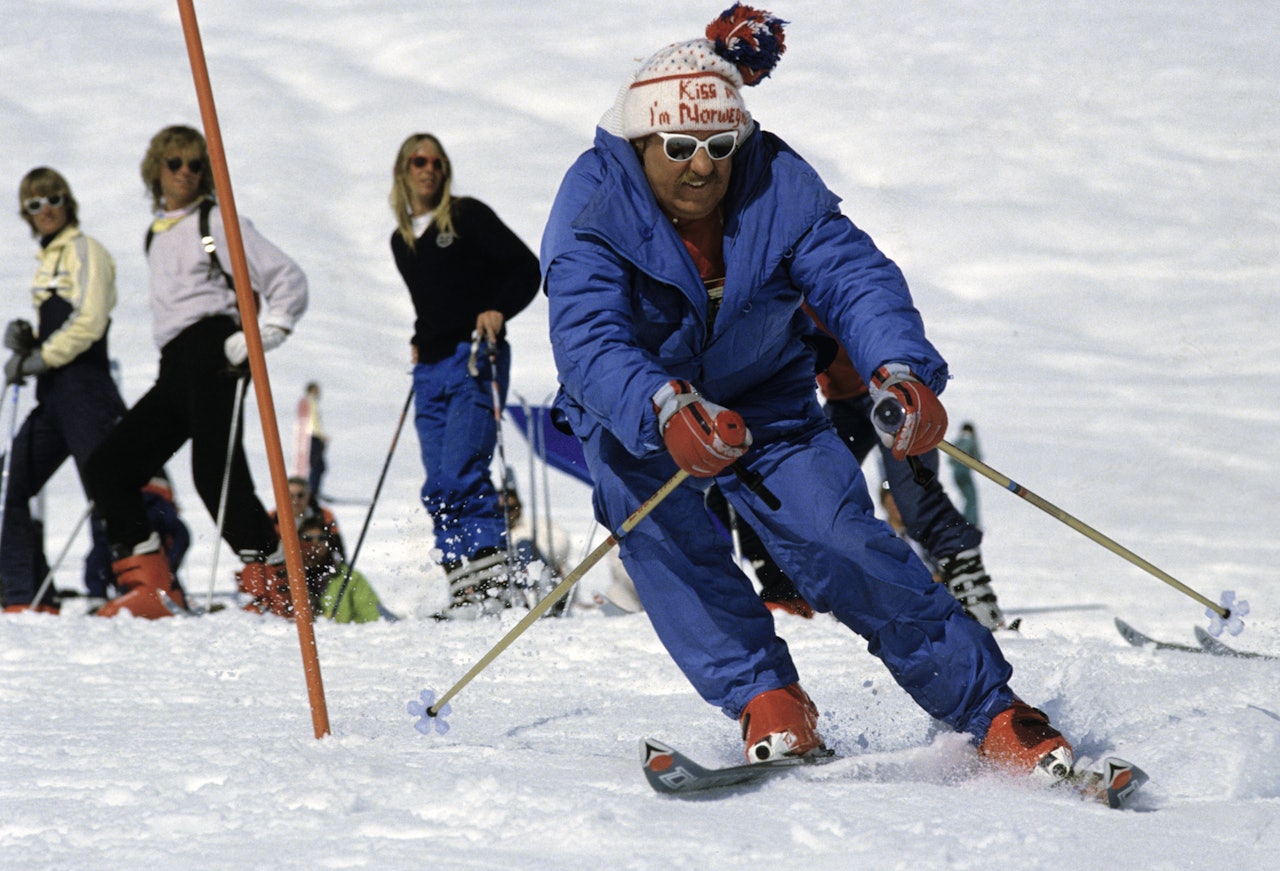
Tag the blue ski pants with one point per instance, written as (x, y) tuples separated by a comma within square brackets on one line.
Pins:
[(457, 434), (826, 537)]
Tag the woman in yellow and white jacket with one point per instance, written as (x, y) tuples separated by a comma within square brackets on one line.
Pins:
[(78, 403)]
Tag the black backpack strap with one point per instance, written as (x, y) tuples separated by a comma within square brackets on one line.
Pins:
[(206, 239)]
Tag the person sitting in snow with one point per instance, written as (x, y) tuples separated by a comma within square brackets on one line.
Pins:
[(327, 577), (303, 503), (677, 256)]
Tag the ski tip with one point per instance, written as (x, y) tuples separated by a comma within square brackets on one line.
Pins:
[(1121, 779), (655, 755)]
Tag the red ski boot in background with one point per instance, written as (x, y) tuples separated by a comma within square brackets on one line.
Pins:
[(147, 583), (266, 581)]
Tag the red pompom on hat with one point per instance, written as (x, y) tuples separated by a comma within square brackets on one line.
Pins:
[(750, 39), (695, 86)]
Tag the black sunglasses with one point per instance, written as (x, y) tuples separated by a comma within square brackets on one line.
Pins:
[(196, 165), (419, 162), (35, 204), (317, 537)]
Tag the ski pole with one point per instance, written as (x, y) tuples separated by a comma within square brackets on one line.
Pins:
[(8, 451), (48, 578), (562, 588), (346, 578), (888, 417), (502, 463), (226, 480)]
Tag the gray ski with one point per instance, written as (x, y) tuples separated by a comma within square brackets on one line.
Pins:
[(1207, 643), (671, 772), (1137, 639), (1217, 648)]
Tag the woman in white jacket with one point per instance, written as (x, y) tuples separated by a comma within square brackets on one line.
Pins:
[(202, 355)]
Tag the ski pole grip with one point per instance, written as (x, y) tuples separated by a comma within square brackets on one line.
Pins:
[(888, 415)]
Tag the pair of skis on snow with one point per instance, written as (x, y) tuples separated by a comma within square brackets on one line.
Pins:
[(671, 772), (1206, 643), (1114, 782)]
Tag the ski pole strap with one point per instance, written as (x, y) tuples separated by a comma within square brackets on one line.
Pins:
[(754, 482)]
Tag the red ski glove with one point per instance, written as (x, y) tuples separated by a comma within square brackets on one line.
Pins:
[(924, 420), (703, 438)]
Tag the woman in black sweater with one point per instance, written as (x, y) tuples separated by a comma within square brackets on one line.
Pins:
[(467, 274)]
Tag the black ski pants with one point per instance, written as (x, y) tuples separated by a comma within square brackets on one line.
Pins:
[(193, 399), (78, 406)]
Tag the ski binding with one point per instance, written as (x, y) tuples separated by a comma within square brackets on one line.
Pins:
[(1113, 785)]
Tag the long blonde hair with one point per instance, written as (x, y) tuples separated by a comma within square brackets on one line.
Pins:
[(402, 200)]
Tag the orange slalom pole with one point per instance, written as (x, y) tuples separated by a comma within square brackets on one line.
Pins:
[(257, 367)]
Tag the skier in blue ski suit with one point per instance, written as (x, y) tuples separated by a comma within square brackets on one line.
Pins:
[(629, 313)]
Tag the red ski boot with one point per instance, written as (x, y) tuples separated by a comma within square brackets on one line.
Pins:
[(147, 582), (1021, 741), (780, 723), (268, 584)]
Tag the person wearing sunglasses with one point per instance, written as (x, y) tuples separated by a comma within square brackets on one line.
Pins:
[(677, 256), (203, 352), (467, 274), (306, 508), (77, 401)]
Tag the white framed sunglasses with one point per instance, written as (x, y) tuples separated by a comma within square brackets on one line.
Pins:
[(33, 205), (681, 147)]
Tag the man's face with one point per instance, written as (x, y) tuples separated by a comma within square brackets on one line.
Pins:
[(685, 190), (180, 174), (299, 496)]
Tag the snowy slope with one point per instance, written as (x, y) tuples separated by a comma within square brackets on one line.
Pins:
[(1084, 200)]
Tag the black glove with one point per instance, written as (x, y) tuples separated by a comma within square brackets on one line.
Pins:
[(19, 336), (21, 365)]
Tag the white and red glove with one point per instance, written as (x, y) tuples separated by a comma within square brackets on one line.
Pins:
[(924, 420), (703, 438)]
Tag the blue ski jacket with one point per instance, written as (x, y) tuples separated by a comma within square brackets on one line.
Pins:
[(626, 299), (629, 312)]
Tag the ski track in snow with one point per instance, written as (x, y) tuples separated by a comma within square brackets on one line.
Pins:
[(1084, 202)]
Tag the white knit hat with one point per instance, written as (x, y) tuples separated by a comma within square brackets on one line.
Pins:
[(696, 86), (685, 87)]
